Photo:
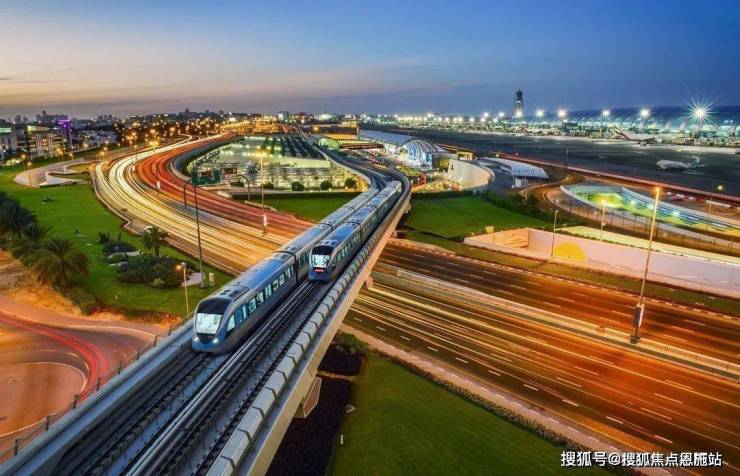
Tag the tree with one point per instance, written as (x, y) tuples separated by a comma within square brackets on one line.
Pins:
[(326, 185), (60, 263), (350, 344), (350, 182), (27, 245), (13, 217), (154, 238), (297, 186)]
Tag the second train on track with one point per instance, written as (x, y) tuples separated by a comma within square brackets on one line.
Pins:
[(227, 317)]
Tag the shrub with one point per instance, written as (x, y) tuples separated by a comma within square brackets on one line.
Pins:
[(157, 271), (103, 238), (297, 186), (350, 182), (350, 344), (117, 246), (269, 186), (83, 300), (117, 258), (326, 185)]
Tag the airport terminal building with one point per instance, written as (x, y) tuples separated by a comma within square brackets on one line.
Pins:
[(413, 151), (715, 126)]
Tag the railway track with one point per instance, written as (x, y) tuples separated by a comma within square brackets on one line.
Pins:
[(99, 447), (192, 439)]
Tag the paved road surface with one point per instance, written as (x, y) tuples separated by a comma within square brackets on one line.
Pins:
[(685, 328), (609, 389), (46, 358)]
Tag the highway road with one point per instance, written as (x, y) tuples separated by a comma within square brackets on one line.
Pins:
[(238, 246), (612, 391), (690, 329), (281, 227), (621, 394), (47, 358)]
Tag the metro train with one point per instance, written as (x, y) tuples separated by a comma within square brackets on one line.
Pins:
[(235, 311), (332, 254)]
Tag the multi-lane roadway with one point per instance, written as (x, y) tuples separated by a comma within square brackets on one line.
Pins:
[(690, 329)]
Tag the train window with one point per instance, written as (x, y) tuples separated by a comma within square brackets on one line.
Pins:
[(276, 283), (232, 323), (268, 291), (281, 279), (252, 306), (207, 323), (239, 315), (260, 298), (208, 315), (320, 256)]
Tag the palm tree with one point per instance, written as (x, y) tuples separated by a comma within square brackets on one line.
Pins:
[(13, 217), (154, 238), (60, 263), (26, 246)]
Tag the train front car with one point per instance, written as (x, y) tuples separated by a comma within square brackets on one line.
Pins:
[(207, 325), (236, 311), (330, 256)]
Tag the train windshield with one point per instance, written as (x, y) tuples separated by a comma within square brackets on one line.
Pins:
[(208, 315), (320, 256)]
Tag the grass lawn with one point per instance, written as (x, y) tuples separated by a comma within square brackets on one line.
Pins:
[(460, 216), (405, 425), (75, 208), (716, 303), (310, 207)]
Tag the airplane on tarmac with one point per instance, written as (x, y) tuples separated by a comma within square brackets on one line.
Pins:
[(642, 139), (677, 164)]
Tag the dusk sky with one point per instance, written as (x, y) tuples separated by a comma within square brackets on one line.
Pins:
[(85, 58)]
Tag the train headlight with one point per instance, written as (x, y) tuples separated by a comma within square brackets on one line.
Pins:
[(215, 341), (196, 339)]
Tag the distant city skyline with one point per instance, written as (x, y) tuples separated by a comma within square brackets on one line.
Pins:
[(85, 58)]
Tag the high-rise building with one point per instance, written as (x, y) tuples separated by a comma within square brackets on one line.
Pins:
[(519, 103)]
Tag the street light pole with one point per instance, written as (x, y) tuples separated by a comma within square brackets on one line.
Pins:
[(185, 285), (552, 245), (28, 171), (603, 220), (262, 189), (640, 308), (197, 228), (709, 203)]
